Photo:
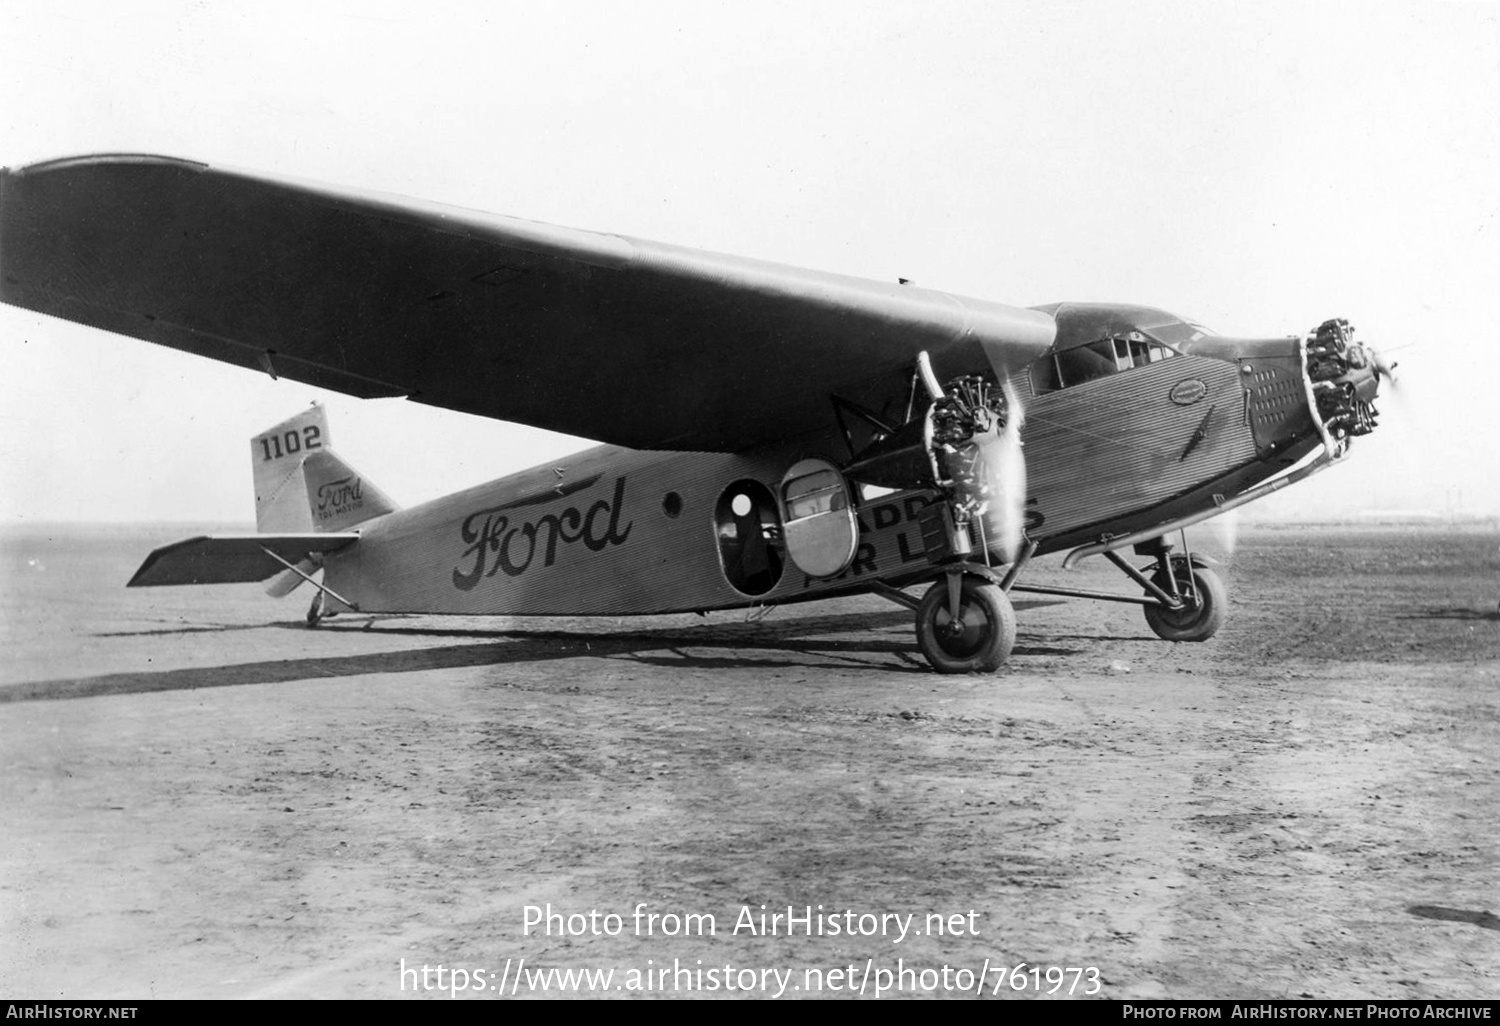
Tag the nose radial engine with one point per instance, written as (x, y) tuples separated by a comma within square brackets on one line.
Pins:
[(1346, 377)]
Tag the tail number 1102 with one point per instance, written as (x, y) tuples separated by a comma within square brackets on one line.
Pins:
[(289, 443)]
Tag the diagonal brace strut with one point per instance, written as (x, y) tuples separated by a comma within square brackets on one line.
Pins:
[(308, 578)]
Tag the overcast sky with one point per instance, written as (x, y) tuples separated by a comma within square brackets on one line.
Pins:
[(1256, 167)]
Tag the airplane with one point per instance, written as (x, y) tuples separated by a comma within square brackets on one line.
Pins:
[(771, 435)]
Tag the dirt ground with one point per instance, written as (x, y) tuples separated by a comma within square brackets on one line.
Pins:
[(201, 798)]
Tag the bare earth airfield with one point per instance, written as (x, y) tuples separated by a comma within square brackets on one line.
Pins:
[(202, 798)]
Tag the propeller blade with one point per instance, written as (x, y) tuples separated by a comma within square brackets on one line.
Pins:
[(1011, 477), (1385, 369), (989, 480), (1222, 532)]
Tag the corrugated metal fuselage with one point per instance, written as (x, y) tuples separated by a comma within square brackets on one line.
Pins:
[(1159, 442), (618, 531)]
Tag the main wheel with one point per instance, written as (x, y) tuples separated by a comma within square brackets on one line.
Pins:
[(1199, 618), (978, 639)]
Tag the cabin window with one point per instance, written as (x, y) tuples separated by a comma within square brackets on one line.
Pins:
[(822, 491), (819, 526), (1096, 360)]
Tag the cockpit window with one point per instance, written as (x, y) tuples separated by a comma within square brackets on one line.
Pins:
[(1174, 331), (1097, 359), (1097, 339)]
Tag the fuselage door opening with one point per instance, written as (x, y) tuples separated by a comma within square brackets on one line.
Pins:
[(819, 524), (749, 533)]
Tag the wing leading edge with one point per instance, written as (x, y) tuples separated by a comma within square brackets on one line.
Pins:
[(620, 340)]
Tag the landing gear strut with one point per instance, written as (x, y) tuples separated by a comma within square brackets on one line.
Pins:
[(1184, 599), (966, 624), (1204, 603)]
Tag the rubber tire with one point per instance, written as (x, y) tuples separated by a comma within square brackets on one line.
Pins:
[(1195, 623), (989, 621)]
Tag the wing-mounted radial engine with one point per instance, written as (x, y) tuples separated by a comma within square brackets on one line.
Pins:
[(973, 443), (966, 446)]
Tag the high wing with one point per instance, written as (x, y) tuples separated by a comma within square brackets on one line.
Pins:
[(620, 340)]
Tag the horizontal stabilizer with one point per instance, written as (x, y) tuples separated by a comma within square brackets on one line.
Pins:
[(233, 558)]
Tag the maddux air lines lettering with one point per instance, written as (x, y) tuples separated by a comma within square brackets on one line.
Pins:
[(490, 532), (889, 537)]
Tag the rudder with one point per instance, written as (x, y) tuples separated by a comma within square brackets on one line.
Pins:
[(338, 497)]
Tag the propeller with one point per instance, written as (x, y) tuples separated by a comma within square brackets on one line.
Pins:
[(1008, 507), (1387, 383), (968, 444), (1220, 533), (1384, 368), (1385, 373), (987, 470)]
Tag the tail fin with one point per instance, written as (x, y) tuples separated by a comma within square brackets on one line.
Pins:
[(280, 486), (302, 485)]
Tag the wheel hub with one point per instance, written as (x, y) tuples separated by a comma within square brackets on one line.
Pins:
[(964, 634)]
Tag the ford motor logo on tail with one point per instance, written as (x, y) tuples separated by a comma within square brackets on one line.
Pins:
[(335, 498)]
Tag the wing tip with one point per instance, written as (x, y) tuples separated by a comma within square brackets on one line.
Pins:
[(141, 578), (97, 159)]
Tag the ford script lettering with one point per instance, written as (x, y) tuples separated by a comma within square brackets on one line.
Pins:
[(495, 543), (339, 496)]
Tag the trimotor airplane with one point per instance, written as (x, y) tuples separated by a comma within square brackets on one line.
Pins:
[(774, 434)]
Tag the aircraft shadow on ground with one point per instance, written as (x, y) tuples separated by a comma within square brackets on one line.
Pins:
[(1462, 613), (1143, 636), (1486, 920), (212, 628), (681, 647)]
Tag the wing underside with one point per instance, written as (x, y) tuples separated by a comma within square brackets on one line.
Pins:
[(621, 340)]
